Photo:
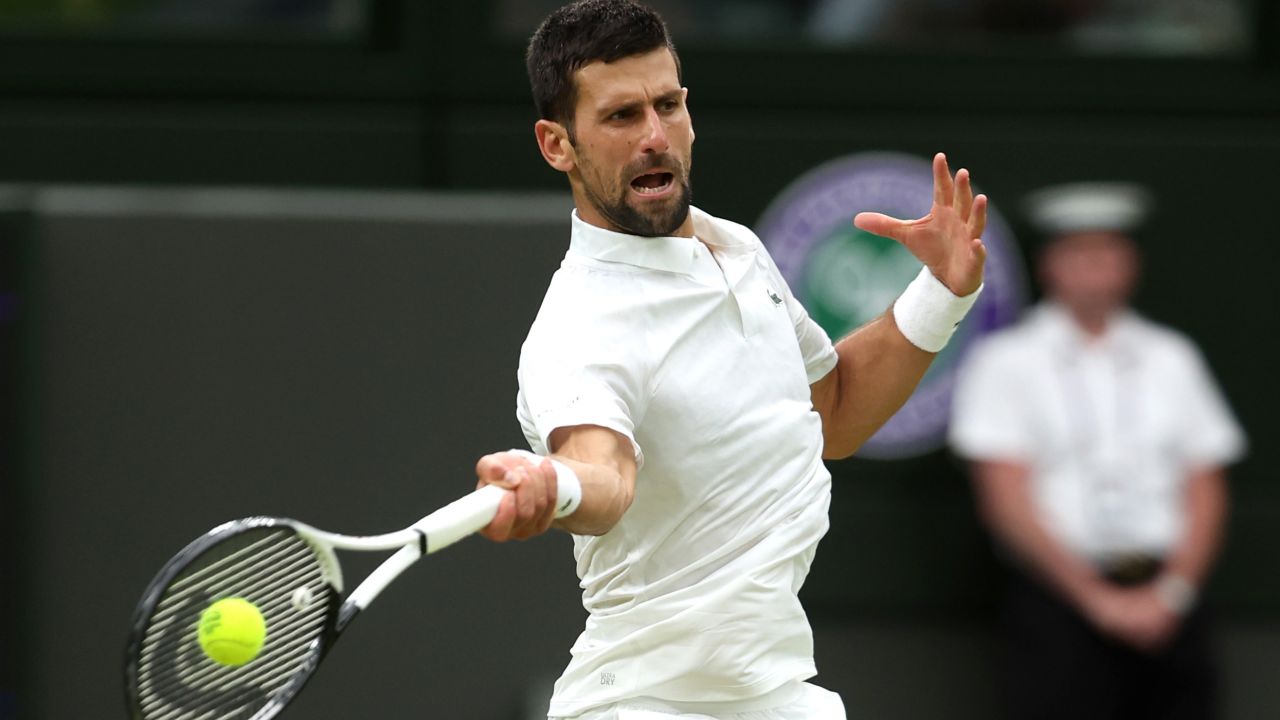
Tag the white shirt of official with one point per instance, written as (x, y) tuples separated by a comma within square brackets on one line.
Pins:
[(1110, 426), (696, 350)]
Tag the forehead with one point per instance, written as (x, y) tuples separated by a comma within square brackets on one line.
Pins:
[(601, 83)]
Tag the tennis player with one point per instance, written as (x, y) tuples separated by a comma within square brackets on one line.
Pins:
[(672, 371)]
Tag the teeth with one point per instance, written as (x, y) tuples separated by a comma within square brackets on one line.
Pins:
[(651, 191)]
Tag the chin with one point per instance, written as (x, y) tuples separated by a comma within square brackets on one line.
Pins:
[(663, 217)]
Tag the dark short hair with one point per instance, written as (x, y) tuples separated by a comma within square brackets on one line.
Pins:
[(581, 33)]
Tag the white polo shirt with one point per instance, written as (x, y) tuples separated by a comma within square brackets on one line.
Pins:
[(1110, 427), (696, 350)]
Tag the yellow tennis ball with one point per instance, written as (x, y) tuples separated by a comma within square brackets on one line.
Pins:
[(232, 631)]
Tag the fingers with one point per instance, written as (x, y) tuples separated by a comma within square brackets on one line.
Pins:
[(978, 217), (499, 529), (964, 194), (495, 470), (529, 509), (943, 189), (1133, 617), (535, 500), (972, 210)]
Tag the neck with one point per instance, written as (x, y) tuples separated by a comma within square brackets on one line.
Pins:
[(1093, 322)]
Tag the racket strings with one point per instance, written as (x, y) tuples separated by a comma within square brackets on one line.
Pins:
[(272, 568)]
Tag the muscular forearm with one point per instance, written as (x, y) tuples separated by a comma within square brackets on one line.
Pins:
[(605, 497), (605, 464), (877, 370)]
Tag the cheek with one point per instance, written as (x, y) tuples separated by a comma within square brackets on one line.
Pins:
[(589, 161)]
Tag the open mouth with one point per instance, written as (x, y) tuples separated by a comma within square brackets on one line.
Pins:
[(653, 183)]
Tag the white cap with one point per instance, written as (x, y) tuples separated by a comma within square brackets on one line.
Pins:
[(1089, 206)]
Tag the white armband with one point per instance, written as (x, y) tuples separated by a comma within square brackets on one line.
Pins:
[(568, 486), (927, 312)]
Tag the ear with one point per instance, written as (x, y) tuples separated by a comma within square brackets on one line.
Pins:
[(553, 142), (685, 99)]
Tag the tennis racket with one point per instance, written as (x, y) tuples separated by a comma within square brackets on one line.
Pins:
[(290, 571)]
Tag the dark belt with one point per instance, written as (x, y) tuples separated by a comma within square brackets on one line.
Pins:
[(1131, 568)]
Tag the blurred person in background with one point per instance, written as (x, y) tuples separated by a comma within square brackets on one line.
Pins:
[(1099, 442)]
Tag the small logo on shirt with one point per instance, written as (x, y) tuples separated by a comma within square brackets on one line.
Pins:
[(774, 297), (607, 678)]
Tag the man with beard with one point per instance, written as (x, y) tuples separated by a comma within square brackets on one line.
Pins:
[(673, 375)]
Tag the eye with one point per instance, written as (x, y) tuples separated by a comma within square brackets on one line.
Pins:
[(670, 105), (621, 115)]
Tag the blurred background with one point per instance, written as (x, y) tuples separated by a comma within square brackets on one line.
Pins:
[(278, 257)]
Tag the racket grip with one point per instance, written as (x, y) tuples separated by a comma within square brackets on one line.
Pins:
[(470, 513)]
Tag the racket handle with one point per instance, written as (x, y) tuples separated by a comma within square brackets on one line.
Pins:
[(470, 513), (460, 518)]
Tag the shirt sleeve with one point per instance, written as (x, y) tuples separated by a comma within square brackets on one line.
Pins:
[(989, 418), (815, 347), (1209, 431), (569, 376)]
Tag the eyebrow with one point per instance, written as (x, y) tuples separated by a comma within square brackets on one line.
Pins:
[(609, 109)]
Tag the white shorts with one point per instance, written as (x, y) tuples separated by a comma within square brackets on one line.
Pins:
[(807, 702)]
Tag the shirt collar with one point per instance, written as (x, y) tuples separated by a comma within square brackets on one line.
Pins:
[(669, 253)]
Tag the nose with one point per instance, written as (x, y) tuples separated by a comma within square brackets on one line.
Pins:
[(655, 139)]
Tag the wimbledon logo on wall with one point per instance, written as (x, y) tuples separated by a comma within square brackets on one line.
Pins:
[(846, 277)]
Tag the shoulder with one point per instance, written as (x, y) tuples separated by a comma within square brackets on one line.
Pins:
[(1153, 334), (584, 299), (1165, 345)]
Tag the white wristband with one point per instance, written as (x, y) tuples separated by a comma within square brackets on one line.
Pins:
[(1176, 593), (928, 312), (568, 486)]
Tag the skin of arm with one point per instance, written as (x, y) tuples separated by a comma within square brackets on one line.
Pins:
[(605, 464), (877, 369), (1206, 513)]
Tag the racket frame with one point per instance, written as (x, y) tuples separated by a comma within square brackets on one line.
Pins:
[(434, 532)]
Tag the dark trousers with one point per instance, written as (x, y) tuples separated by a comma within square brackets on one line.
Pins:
[(1061, 668)]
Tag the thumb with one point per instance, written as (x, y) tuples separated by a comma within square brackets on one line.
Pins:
[(499, 469), (880, 224)]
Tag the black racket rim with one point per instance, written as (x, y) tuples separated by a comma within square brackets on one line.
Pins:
[(154, 593)]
